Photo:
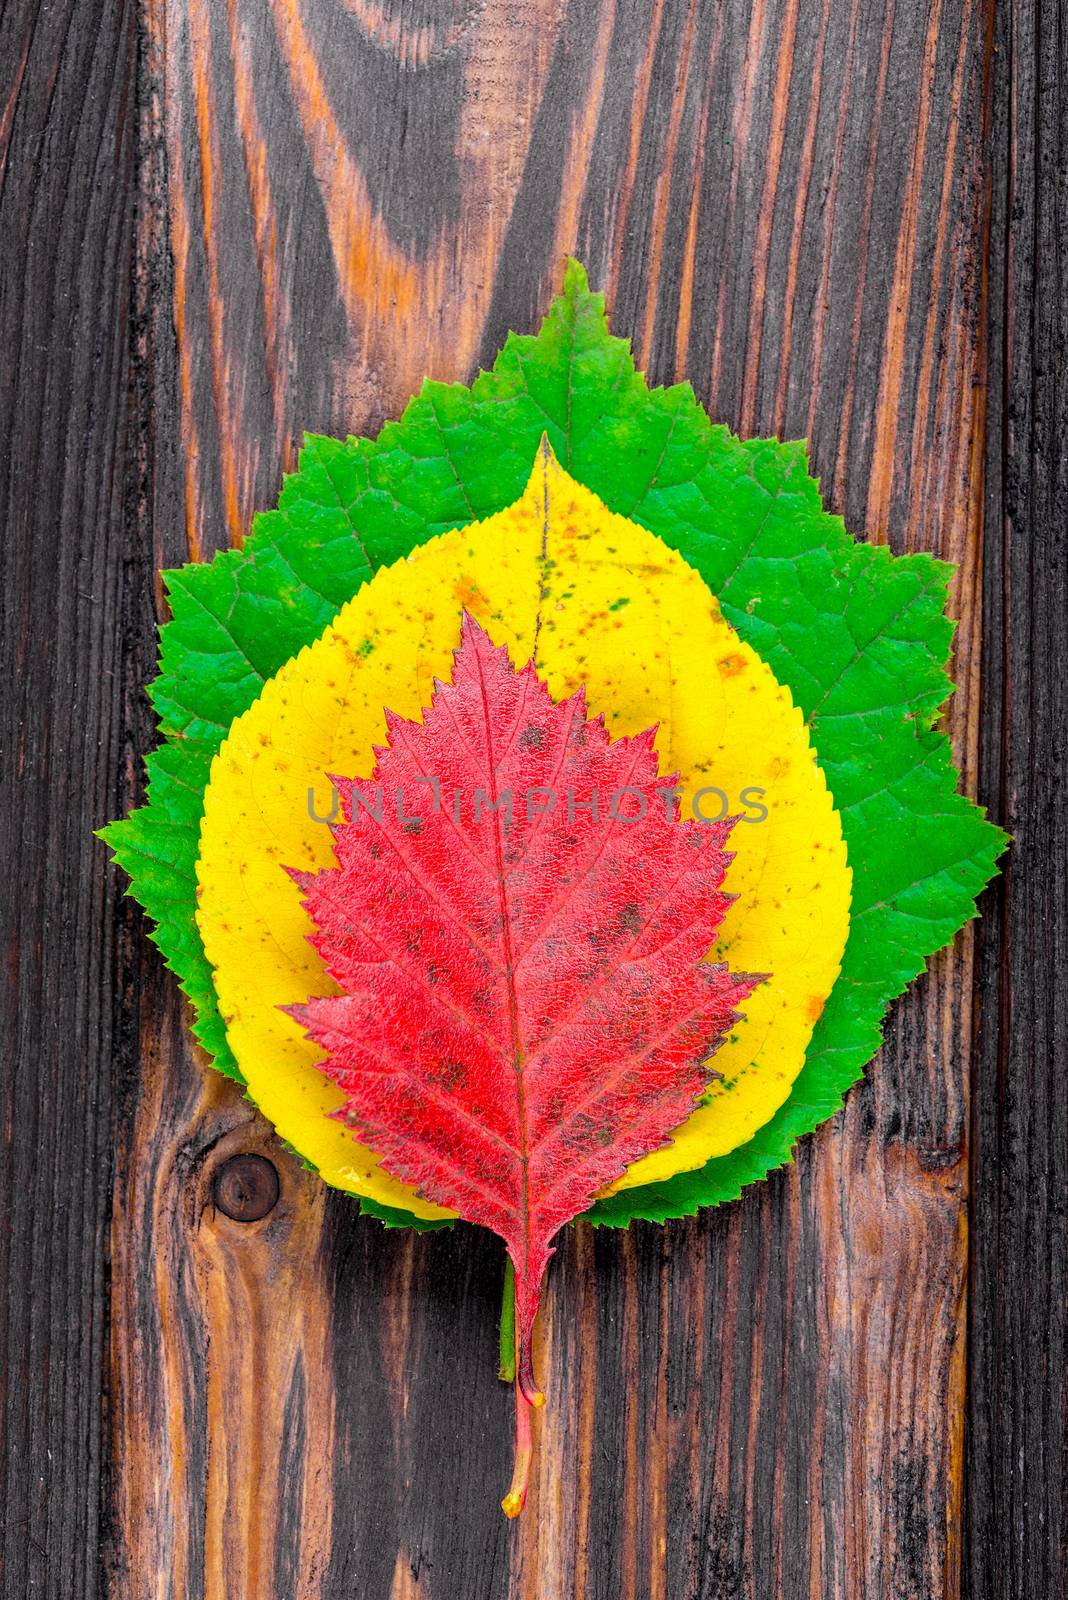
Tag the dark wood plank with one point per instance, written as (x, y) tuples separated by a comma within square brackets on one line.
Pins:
[(1018, 1336), (789, 207), (66, 228)]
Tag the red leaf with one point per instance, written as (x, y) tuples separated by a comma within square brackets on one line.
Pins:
[(525, 1008)]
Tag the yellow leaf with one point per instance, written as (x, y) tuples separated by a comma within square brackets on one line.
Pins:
[(595, 599)]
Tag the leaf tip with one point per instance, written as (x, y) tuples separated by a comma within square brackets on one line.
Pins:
[(576, 279)]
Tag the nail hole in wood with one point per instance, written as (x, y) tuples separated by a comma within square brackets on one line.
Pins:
[(246, 1188)]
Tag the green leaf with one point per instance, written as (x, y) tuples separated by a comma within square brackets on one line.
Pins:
[(859, 635), (390, 1217), (234, 622)]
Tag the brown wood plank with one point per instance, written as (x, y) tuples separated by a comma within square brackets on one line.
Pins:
[(789, 208)]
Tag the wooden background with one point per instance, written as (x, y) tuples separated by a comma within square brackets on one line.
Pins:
[(225, 221)]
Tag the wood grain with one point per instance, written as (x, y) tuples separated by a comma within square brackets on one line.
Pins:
[(66, 228), (424, 207), (227, 222), (1017, 1509)]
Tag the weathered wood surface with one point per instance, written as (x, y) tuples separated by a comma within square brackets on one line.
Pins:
[(1017, 1425), (67, 152), (830, 219)]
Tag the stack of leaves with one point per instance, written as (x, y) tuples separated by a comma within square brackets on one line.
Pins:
[(461, 751)]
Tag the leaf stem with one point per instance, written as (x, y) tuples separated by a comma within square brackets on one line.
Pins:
[(516, 1365), (514, 1500), (506, 1364)]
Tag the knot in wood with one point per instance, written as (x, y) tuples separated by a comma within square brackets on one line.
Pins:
[(246, 1187)]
